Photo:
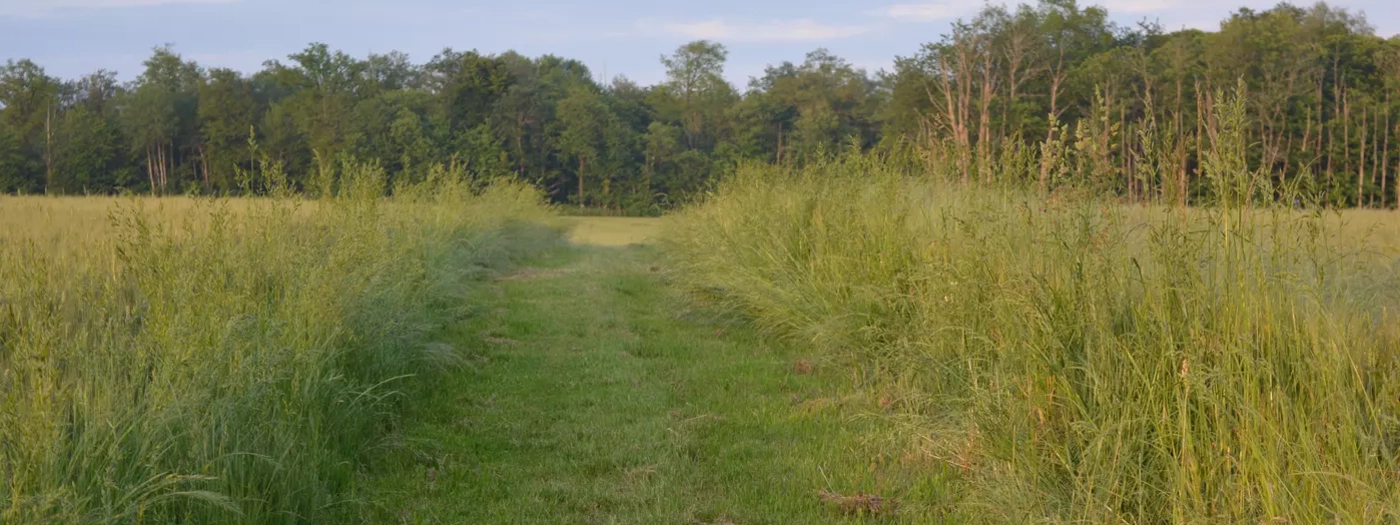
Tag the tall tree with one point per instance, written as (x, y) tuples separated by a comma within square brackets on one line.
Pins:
[(28, 103), (160, 115), (226, 123), (695, 78)]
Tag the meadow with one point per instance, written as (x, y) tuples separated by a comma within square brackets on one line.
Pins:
[(852, 340), (201, 360), (1075, 360)]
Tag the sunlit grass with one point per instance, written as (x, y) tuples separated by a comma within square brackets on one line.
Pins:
[(613, 231), (205, 361), (1076, 360)]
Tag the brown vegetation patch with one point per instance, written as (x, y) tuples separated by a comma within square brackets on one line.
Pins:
[(639, 474), (861, 504)]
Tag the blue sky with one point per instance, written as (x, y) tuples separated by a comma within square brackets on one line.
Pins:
[(617, 37)]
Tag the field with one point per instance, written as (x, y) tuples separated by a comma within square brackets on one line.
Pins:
[(229, 361), (1073, 360), (841, 343), (612, 231)]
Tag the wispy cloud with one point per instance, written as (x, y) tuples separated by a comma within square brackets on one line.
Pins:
[(930, 10), (53, 7), (1136, 6), (797, 30)]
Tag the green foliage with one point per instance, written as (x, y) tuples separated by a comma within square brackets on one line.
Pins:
[(227, 111), (1137, 105)]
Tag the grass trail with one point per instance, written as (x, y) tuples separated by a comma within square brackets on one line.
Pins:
[(596, 395)]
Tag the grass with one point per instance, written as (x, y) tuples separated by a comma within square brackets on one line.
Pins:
[(220, 361), (596, 395), (841, 344), (578, 389), (1075, 361), (612, 231)]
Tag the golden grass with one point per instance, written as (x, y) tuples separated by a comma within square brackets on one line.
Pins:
[(612, 231), (1076, 361), (230, 361), (87, 225)]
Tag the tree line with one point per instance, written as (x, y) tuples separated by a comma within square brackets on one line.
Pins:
[(1043, 95), (1053, 94)]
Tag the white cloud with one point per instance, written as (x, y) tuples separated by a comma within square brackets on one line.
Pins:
[(1136, 6), (802, 29), (50, 7), (930, 10), (933, 10)]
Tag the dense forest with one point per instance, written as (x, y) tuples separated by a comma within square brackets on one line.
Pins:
[(1040, 95)]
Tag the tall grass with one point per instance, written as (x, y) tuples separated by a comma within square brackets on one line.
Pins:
[(235, 361), (1077, 360)]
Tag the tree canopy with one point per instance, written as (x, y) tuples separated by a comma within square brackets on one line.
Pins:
[(1133, 106)]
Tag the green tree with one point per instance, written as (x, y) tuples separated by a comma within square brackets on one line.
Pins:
[(160, 116), (28, 103), (226, 120), (695, 80), (89, 153), (585, 134)]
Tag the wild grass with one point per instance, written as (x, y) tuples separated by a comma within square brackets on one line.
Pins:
[(229, 361), (613, 231), (1074, 359)]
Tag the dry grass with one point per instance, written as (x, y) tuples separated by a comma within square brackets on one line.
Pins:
[(217, 361), (613, 231), (1078, 361)]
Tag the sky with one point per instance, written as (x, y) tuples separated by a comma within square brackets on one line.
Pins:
[(614, 37)]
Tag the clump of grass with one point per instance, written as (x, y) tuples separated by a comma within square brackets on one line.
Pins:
[(1074, 359), (235, 361)]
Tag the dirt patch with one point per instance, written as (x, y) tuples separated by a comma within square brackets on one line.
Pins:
[(860, 504)]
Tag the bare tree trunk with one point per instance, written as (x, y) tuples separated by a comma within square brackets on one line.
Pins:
[(964, 114), (520, 142), (1307, 138), (204, 166), (954, 74), (164, 169), (1361, 166), (646, 179), (1123, 147), (1317, 158), (48, 148), (1385, 150), (985, 119), (1375, 158), (1200, 120), (780, 143), (1056, 78), (1287, 157), (1346, 129), (1180, 148), (160, 167), (1015, 55), (151, 169), (1332, 135)]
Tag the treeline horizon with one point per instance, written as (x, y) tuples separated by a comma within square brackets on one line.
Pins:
[(1040, 95)]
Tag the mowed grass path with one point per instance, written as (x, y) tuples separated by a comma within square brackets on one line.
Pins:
[(595, 394)]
